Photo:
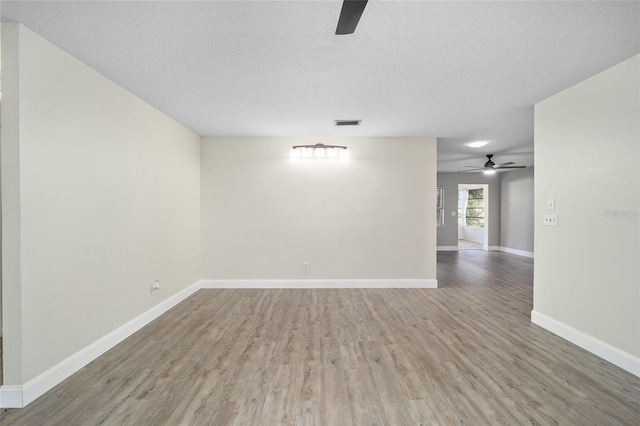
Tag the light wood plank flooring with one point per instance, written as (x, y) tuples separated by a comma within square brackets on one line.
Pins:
[(466, 353)]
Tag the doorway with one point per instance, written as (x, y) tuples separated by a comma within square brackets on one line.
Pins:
[(473, 216)]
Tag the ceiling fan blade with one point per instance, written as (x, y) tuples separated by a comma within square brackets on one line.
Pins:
[(511, 167), (470, 170), (350, 16), (508, 163)]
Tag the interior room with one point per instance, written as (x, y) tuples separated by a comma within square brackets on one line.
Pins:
[(257, 212)]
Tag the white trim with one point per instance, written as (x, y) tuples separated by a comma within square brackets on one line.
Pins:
[(359, 283), (597, 347), (20, 396), (447, 248), (518, 252), (11, 397), (492, 248)]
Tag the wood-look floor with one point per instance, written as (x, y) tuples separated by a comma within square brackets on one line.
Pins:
[(465, 353)]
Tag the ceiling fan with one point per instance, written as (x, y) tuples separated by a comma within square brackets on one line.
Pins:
[(350, 16), (490, 167)]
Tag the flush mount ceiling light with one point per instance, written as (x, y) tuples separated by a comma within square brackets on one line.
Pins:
[(319, 150), (476, 144)]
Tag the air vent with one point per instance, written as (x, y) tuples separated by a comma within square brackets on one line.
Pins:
[(347, 122)]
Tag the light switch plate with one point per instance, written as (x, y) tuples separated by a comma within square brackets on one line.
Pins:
[(551, 204)]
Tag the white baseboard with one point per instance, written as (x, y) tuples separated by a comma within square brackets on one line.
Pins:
[(11, 397), (447, 248), (518, 252), (492, 248), (20, 396), (597, 347), (355, 283)]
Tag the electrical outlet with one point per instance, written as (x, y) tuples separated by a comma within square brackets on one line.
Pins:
[(550, 220), (155, 286), (305, 265)]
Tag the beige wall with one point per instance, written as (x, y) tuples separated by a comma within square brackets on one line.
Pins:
[(263, 215), (587, 149), (105, 201)]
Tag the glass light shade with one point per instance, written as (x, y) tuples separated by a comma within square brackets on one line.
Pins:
[(332, 152), (477, 144), (319, 152), (294, 153), (345, 153), (489, 172), (307, 152)]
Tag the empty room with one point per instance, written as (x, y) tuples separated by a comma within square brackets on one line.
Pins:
[(320, 212)]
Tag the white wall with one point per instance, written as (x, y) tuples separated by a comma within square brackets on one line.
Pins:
[(263, 215), (100, 197), (587, 155), (516, 204)]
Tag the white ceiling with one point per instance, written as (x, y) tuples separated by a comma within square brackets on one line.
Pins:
[(460, 71)]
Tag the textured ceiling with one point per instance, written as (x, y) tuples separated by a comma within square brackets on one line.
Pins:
[(460, 71)]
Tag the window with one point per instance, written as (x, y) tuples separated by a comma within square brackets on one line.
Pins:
[(440, 206), (475, 208)]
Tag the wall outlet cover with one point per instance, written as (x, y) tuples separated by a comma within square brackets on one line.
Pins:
[(550, 220)]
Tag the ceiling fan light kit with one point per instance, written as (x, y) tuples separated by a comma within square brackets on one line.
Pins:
[(490, 168)]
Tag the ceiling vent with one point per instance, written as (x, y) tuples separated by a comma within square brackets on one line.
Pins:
[(347, 122)]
